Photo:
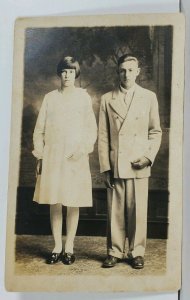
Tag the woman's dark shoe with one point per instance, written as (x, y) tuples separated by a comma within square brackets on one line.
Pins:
[(68, 258), (54, 258)]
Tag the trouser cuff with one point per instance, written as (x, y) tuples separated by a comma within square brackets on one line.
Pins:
[(116, 253)]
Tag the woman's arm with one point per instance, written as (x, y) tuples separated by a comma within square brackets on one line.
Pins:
[(90, 128), (39, 131), (89, 135)]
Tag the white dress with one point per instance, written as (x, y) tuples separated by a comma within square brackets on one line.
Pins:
[(65, 126)]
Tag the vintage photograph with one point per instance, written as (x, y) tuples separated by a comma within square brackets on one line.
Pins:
[(95, 181)]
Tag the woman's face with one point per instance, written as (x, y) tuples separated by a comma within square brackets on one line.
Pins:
[(68, 77)]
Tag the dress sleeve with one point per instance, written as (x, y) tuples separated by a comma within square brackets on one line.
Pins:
[(39, 131), (90, 127)]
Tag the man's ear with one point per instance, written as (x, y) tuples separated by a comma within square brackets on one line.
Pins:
[(138, 71)]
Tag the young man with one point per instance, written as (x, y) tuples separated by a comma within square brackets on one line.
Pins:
[(129, 139)]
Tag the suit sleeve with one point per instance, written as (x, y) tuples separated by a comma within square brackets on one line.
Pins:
[(154, 130), (90, 127), (39, 131), (103, 138)]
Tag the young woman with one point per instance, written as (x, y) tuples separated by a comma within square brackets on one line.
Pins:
[(64, 135)]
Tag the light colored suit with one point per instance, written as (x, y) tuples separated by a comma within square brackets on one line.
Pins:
[(126, 134)]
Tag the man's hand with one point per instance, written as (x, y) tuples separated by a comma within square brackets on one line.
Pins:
[(108, 179), (39, 167), (141, 163)]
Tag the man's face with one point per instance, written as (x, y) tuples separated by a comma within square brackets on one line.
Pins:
[(68, 77), (128, 72)]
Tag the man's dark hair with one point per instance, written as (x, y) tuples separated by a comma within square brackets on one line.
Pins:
[(127, 57)]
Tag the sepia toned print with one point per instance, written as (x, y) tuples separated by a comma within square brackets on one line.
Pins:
[(97, 44)]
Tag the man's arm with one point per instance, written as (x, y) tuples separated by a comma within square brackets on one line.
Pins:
[(154, 131), (103, 138), (154, 137), (104, 146)]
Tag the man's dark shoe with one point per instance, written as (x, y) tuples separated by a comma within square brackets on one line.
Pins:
[(110, 262), (137, 262), (68, 258), (54, 258)]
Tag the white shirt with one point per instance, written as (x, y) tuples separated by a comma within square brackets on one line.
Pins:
[(127, 95)]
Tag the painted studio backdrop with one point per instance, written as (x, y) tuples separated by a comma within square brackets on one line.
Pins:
[(97, 50)]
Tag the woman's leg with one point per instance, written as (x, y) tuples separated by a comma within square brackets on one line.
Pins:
[(71, 226), (56, 220)]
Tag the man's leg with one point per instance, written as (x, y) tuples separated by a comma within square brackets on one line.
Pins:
[(137, 201), (116, 231)]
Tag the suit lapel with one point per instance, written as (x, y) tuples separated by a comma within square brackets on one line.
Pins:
[(135, 105), (117, 104)]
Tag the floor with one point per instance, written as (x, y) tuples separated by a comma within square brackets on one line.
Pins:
[(90, 252)]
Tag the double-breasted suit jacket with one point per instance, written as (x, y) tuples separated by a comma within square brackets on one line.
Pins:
[(126, 135), (65, 126)]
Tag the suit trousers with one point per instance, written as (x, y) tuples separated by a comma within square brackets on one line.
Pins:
[(127, 216)]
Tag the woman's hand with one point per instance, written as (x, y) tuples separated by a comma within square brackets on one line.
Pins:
[(77, 154)]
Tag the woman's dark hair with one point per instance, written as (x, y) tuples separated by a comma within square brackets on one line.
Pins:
[(68, 62)]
